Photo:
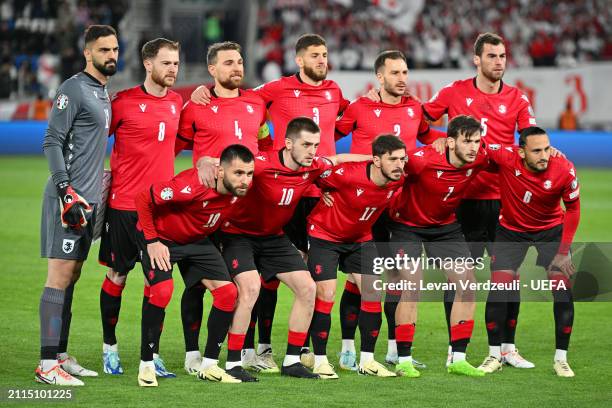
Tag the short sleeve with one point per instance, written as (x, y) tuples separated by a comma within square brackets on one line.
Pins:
[(526, 115), (268, 90), (182, 188), (117, 106), (346, 123), (571, 188), (187, 127), (439, 103), (417, 161)]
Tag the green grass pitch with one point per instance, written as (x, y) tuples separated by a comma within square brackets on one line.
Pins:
[(23, 275)]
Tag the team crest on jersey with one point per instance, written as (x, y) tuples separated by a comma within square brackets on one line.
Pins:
[(359, 192), (377, 112), (502, 109), (325, 174), (249, 109), (305, 176), (204, 204), (420, 153), (468, 173), (143, 107), (173, 109), (547, 184), (468, 101), (68, 245), (296, 92), (214, 108), (340, 171), (328, 95), (62, 101), (411, 112), (439, 173), (166, 194)]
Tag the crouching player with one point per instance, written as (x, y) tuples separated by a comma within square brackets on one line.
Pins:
[(175, 220), (341, 235), (532, 185)]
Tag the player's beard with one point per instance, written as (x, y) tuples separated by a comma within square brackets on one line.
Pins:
[(463, 157), (315, 76), (534, 165), (107, 69), (389, 175), (234, 190), (163, 80), (299, 161), (492, 75), (391, 91), (230, 83)]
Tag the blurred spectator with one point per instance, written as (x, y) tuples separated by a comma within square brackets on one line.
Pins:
[(39, 108), (438, 33), (568, 119)]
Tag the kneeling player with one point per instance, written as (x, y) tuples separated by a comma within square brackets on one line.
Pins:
[(532, 184), (176, 218), (424, 216), (342, 235)]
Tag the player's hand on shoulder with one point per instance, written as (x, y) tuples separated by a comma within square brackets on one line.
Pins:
[(440, 144), (159, 255), (373, 95), (73, 207), (327, 198), (207, 170), (554, 152), (564, 264), (201, 95)]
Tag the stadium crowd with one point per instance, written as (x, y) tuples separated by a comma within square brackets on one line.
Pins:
[(40, 41), (433, 35)]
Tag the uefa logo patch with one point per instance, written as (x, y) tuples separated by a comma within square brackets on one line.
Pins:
[(166, 194), (62, 101)]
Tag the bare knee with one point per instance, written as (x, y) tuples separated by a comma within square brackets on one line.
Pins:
[(306, 291), (116, 277), (326, 292), (61, 273)]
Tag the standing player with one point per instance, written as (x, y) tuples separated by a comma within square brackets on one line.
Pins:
[(254, 243), (403, 117), (424, 216), (532, 185), (234, 116), (341, 235), (501, 109), (74, 145), (176, 219), (306, 94), (145, 122)]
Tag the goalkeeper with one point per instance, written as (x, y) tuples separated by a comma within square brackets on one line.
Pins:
[(74, 145)]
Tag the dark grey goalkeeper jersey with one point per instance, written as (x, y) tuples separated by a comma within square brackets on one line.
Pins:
[(75, 140)]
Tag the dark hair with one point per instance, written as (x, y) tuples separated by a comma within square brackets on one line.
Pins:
[(213, 50), (486, 38), (463, 125), (386, 143), (236, 151), (295, 127), (151, 48), (530, 131), (307, 40), (384, 56), (95, 31)]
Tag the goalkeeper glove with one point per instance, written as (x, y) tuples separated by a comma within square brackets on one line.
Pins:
[(73, 207)]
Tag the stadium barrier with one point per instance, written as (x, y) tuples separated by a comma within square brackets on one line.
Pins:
[(584, 148)]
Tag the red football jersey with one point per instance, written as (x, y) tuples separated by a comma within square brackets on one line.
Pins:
[(433, 188), (223, 122), (532, 201), (358, 203), (145, 131), (271, 200), (368, 119), (182, 210), (500, 115), (290, 97)]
